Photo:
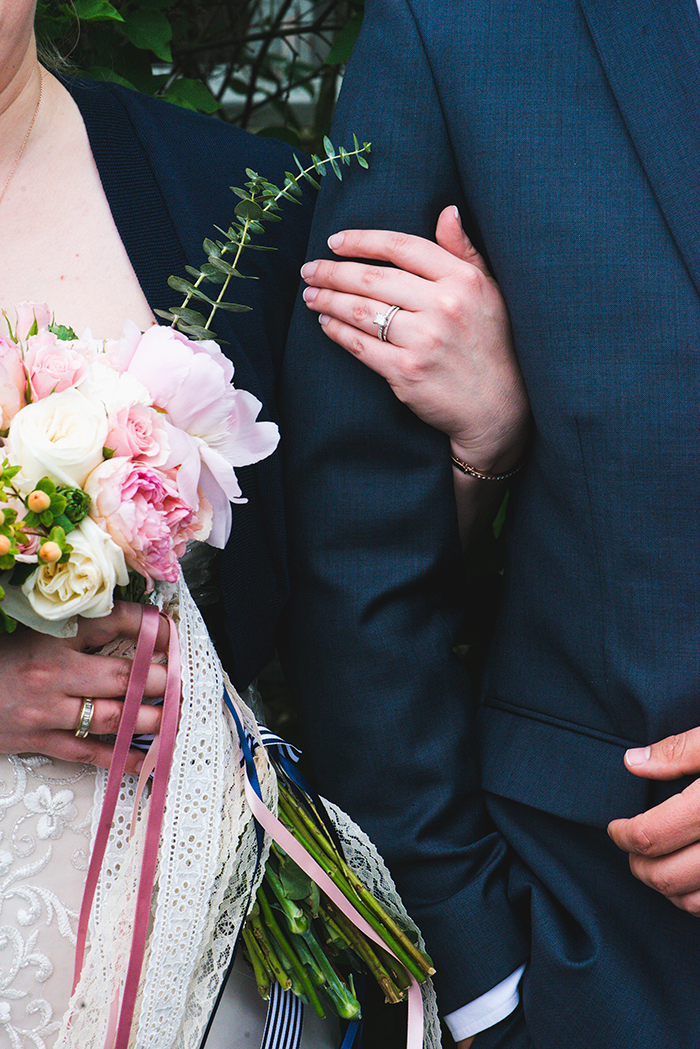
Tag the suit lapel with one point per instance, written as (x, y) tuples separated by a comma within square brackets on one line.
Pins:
[(650, 50)]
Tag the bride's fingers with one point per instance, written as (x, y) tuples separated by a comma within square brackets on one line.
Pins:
[(414, 254), (107, 716), (123, 621), (362, 313), (381, 357), (107, 677), (378, 284), (89, 751)]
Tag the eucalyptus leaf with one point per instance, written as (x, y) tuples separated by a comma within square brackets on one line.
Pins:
[(248, 209)]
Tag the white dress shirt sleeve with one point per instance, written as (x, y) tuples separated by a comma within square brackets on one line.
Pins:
[(487, 1010)]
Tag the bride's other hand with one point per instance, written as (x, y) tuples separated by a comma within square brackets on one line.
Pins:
[(448, 353), (45, 680)]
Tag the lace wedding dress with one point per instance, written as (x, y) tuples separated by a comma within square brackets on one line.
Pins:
[(49, 811)]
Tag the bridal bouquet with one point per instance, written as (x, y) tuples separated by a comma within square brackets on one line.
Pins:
[(116, 455)]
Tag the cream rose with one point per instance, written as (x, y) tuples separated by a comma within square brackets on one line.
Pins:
[(84, 586), (61, 436)]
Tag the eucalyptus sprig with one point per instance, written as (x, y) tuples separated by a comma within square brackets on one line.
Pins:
[(259, 203)]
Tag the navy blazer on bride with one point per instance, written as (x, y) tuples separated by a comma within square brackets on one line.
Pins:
[(567, 131), (166, 173)]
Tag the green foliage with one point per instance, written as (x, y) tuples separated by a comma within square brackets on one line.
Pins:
[(258, 203), (272, 66)]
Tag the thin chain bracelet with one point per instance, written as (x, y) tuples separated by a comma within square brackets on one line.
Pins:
[(473, 472)]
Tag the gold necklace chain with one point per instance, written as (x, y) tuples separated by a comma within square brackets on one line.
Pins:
[(26, 137)]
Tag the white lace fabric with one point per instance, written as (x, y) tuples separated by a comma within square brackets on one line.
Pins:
[(205, 876)]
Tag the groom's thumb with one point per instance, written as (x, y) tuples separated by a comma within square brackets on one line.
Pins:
[(670, 758), (451, 236)]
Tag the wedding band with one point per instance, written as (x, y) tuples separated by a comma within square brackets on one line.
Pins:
[(85, 719), (384, 320)]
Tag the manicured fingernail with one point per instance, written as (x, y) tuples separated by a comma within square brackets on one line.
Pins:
[(308, 270), (457, 214), (310, 294), (638, 756), (137, 767), (323, 319), (336, 241)]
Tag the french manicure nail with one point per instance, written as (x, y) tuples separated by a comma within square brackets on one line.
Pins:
[(336, 241), (638, 756), (310, 294), (308, 270), (457, 214), (323, 319)]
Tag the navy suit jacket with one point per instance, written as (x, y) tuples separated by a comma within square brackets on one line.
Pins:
[(568, 133)]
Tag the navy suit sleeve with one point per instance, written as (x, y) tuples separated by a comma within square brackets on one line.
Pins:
[(376, 568)]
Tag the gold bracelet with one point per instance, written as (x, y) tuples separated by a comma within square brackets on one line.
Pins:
[(473, 472)]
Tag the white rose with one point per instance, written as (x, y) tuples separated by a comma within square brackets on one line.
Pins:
[(84, 586), (61, 436)]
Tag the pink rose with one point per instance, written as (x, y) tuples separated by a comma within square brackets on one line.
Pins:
[(53, 365), (141, 509), (13, 382), (138, 432), (27, 314)]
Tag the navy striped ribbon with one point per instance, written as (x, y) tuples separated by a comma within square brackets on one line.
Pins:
[(285, 1020)]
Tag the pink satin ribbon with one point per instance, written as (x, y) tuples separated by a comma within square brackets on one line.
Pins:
[(279, 833), (158, 761)]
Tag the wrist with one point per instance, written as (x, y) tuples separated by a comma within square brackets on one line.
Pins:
[(489, 461)]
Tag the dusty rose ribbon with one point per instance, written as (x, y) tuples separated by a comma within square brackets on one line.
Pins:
[(159, 760)]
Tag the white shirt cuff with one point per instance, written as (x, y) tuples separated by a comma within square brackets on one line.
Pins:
[(487, 1010)]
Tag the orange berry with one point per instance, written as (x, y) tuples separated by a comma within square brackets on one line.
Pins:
[(5, 545), (49, 552), (38, 501)]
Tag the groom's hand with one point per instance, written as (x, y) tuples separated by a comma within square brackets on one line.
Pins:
[(664, 842)]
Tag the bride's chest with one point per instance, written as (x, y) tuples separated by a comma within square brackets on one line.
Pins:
[(59, 244)]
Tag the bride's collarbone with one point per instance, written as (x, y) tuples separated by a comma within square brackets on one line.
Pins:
[(59, 244)]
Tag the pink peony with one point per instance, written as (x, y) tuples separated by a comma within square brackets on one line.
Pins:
[(141, 509), (53, 365), (191, 382), (13, 382)]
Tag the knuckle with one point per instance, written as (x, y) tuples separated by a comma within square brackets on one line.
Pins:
[(450, 305), (399, 244), (642, 842), (371, 277), (673, 747), (110, 720), (84, 753), (658, 878), (360, 313), (122, 673), (356, 345), (690, 904)]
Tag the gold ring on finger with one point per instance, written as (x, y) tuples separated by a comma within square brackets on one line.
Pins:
[(85, 719)]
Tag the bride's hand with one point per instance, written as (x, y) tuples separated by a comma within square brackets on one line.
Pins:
[(45, 679), (449, 351)]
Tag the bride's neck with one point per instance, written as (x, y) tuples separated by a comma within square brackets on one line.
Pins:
[(19, 94)]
